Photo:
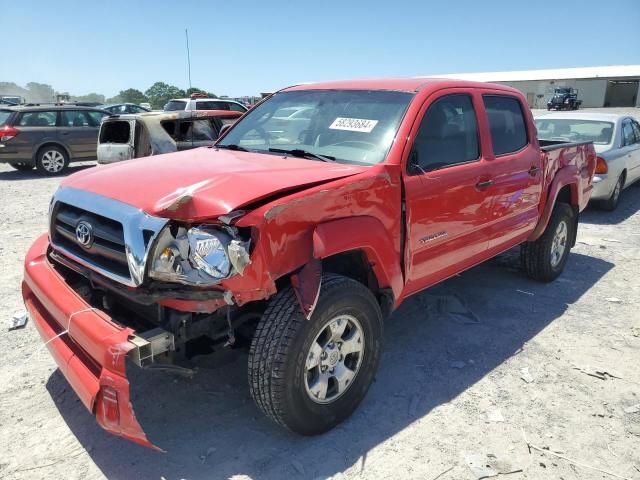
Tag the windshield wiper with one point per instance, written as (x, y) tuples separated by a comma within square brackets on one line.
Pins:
[(297, 152), (233, 146)]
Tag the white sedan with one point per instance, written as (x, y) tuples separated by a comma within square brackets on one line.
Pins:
[(617, 142)]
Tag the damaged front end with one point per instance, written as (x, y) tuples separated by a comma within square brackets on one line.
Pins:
[(114, 288)]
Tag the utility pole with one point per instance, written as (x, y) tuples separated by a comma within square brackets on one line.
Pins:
[(186, 34)]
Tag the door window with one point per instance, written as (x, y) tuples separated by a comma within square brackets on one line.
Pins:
[(506, 123), (448, 134), (96, 117), (636, 130), (628, 135), (38, 119), (73, 118)]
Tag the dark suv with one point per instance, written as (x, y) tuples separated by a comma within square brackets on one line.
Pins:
[(48, 136)]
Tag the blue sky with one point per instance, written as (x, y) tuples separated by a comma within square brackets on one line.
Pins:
[(245, 47)]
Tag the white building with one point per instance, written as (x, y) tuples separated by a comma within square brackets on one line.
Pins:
[(612, 86)]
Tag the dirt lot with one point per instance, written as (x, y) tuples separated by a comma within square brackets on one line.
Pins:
[(473, 370)]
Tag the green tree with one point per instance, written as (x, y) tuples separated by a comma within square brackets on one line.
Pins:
[(160, 93), (131, 95), (116, 99)]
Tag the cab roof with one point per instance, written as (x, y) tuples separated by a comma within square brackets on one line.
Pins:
[(413, 84)]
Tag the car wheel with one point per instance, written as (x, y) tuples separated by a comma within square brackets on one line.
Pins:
[(612, 203), (23, 167), (51, 160), (310, 375), (545, 258)]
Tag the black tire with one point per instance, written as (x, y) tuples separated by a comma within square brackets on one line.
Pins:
[(612, 202), (23, 167), (278, 371), (52, 160), (538, 258)]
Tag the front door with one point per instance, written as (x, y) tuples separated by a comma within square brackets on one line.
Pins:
[(446, 186)]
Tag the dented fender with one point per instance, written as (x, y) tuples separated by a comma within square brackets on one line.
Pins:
[(564, 177), (366, 234)]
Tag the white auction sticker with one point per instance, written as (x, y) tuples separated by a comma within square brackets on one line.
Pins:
[(353, 124)]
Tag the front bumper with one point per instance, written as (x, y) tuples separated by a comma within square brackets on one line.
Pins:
[(92, 354), (603, 186)]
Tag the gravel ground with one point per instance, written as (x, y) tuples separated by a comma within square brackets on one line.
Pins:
[(473, 370)]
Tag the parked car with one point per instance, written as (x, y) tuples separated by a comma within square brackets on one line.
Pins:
[(198, 102), (123, 137), (122, 108), (11, 100), (49, 136), (564, 98), (146, 105), (617, 143), (301, 248)]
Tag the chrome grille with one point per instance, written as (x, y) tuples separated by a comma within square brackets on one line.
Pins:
[(120, 235)]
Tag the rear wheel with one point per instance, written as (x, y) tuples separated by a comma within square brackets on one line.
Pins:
[(22, 166), (612, 203), (51, 160), (545, 258), (310, 375)]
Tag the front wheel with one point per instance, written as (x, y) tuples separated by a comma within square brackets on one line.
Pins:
[(310, 375), (545, 258)]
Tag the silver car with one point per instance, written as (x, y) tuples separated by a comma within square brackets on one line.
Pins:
[(617, 142)]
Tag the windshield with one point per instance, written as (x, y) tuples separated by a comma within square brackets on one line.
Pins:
[(350, 126), (573, 130), (174, 105)]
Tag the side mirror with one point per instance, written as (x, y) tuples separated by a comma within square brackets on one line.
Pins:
[(223, 130)]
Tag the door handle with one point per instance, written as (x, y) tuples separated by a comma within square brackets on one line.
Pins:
[(533, 171), (65, 133), (484, 184)]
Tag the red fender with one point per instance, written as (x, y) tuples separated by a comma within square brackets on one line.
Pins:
[(564, 177), (366, 234)]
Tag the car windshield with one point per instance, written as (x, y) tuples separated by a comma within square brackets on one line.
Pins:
[(574, 130), (4, 114), (350, 126), (174, 105)]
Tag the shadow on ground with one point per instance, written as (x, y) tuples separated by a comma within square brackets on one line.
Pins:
[(35, 174), (628, 205), (211, 428)]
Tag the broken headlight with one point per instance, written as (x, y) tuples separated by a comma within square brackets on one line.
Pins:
[(202, 255)]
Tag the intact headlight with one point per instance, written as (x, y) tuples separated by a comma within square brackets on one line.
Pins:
[(202, 255)]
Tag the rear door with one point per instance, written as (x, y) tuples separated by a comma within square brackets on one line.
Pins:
[(445, 190), (36, 128), (516, 164), (79, 132)]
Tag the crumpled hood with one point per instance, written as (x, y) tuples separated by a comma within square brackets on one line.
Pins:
[(204, 182)]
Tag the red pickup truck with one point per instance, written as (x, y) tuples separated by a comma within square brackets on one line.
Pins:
[(299, 231)]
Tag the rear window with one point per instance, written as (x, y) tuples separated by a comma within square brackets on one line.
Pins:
[(115, 132), (208, 105), (574, 130), (506, 123), (38, 119), (4, 114), (174, 105)]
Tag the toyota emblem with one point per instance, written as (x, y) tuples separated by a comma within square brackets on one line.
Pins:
[(84, 234)]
